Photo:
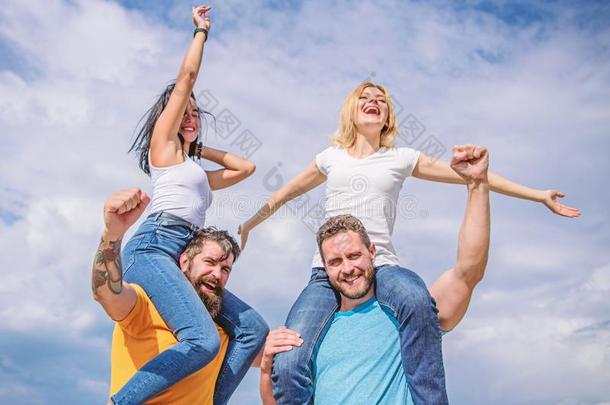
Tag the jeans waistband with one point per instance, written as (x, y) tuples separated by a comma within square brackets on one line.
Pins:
[(171, 219)]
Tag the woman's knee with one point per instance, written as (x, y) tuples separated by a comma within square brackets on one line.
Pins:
[(399, 287), (257, 328), (203, 347), (289, 363)]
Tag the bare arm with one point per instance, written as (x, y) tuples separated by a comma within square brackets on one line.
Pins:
[(235, 168), (121, 210), (302, 183), (266, 388), (453, 289), (165, 147), (428, 168)]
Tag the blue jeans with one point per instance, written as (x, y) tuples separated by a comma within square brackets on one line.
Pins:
[(402, 292), (150, 259)]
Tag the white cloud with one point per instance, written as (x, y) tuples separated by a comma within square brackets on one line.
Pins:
[(85, 40), (537, 338), (536, 95), (100, 388)]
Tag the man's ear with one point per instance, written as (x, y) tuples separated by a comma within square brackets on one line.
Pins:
[(184, 262), (372, 250)]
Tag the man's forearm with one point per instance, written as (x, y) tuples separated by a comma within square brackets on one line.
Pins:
[(107, 272), (453, 289), (266, 388), (473, 242), (117, 298)]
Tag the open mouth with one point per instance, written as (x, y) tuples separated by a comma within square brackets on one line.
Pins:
[(208, 285), (372, 110), (351, 279)]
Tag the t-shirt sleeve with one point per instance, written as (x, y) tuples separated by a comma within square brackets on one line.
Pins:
[(323, 161), (408, 159), (139, 317)]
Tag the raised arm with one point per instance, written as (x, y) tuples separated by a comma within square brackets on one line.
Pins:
[(428, 168), (235, 168), (122, 209), (165, 147), (453, 289), (302, 183)]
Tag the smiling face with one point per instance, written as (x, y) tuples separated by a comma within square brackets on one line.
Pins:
[(191, 122), (349, 265), (208, 272), (367, 110), (371, 109)]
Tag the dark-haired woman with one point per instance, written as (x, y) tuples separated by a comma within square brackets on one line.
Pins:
[(182, 191)]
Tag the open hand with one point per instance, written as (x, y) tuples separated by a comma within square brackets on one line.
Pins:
[(278, 340), (551, 200), (470, 162), (201, 17), (121, 210)]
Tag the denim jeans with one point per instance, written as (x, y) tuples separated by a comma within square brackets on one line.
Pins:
[(150, 259), (402, 292)]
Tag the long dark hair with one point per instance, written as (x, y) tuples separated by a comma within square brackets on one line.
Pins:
[(141, 145)]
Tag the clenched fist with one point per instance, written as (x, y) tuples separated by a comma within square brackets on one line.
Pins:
[(121, 210), (470, 162)]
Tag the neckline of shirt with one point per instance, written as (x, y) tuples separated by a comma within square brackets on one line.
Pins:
[(379, 151), (359, 308)]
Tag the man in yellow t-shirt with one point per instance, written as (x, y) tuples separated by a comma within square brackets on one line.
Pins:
[(140, 333), (141, 336)]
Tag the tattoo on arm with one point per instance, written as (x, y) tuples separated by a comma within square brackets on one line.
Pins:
[(107, 268)]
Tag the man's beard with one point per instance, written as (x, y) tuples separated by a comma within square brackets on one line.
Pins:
[(211, 300), (351, 293)]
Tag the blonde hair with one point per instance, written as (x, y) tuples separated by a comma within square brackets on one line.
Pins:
[(345, 136)]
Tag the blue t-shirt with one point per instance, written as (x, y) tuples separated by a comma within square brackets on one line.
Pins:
[(358, 361)]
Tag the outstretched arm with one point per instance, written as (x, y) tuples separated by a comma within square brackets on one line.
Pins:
[(453, 290), (235, 168), (428, 168), (165, 147), (302, 183), (122, 209)]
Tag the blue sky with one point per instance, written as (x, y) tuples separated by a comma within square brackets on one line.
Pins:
[(530, 80)]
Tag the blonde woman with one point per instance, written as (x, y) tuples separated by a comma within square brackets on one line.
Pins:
[(364, 173)]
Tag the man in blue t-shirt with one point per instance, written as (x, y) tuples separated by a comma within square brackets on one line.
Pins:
[(358, 359)]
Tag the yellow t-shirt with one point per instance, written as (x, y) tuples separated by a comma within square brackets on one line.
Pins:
[(140, 337)]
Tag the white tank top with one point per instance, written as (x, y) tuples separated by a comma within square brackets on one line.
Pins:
[(181, 190), (368, 189)]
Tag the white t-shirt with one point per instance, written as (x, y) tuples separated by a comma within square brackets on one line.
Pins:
[(368, 189), (181, 190)]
